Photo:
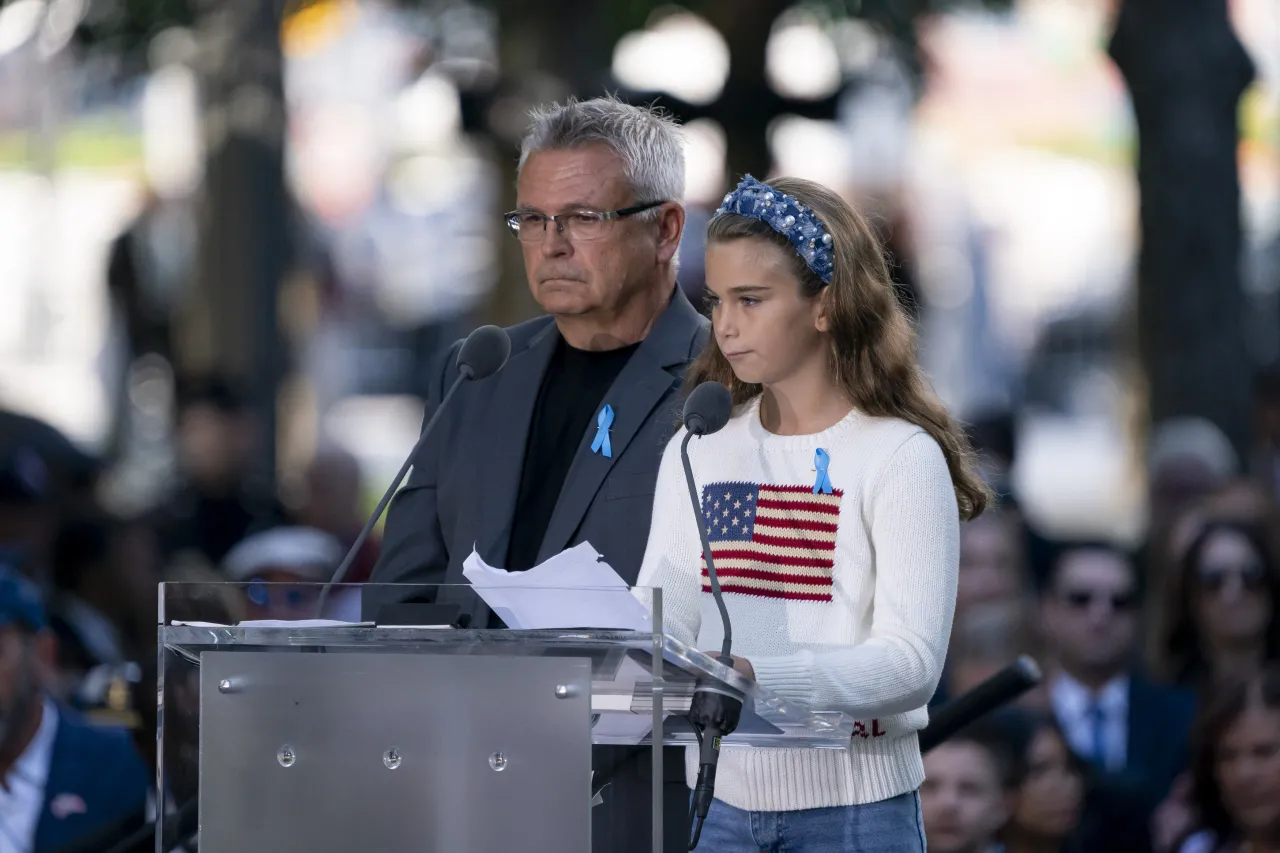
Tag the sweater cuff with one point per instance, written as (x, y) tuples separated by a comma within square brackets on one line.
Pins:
[(790, 676)]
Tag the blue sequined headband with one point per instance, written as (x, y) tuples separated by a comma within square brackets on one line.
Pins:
[(786, 215)]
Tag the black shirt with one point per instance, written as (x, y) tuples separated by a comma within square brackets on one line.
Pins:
[(569, 401)]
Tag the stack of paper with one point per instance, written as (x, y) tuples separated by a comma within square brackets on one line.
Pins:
[(279, 623), (574, 589)]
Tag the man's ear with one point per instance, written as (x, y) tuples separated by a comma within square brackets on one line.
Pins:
[(670, 221)]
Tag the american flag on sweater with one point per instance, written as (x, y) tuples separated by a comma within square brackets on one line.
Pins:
[(771, 541)]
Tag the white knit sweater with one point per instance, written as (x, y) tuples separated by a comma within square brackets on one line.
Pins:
[(841, 601)]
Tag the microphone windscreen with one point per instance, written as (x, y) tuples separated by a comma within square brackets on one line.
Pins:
[(1003, 687), (708, 408), (484, 352)]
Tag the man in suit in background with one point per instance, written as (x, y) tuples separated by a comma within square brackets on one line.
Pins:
[(61, 780), (1134, 732), (563, 445)]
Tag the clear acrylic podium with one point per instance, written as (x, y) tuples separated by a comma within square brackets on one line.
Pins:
[(280, 732)]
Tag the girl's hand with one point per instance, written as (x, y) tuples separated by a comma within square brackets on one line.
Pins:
[(742, 665)]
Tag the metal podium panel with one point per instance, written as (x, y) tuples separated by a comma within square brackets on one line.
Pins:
[(350, 752)]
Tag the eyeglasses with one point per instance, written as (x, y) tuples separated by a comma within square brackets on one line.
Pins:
[(1213, 578), (529, 226), (1083, 599)]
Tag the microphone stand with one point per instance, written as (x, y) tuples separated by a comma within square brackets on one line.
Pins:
[(715, 710), (464, 373), (726, 646)]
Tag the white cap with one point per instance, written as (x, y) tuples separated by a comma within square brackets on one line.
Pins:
[(305, 551), (1192, 438)]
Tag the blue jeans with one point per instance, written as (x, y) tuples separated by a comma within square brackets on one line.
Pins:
[(889, 826)]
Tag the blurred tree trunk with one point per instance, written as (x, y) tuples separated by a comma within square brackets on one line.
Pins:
[(230, 325), (747, 105), (548, 50), (1186, 71)]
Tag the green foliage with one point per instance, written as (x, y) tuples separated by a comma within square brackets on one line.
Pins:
[(102, 144)]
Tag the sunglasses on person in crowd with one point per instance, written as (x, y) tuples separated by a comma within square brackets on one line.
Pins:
[(1083, 599), (289, 596), (1213, 578)]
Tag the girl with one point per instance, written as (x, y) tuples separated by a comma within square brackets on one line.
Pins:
[(1237, 768), (1047, 806), (832, 501)]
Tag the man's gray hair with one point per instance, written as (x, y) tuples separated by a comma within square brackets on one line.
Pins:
[(646, 138)]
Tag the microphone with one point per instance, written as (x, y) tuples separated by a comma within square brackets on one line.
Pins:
[(1003, 687), (715, 710), (483, 354)]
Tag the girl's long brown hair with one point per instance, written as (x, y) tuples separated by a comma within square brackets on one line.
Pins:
[(873, 344)]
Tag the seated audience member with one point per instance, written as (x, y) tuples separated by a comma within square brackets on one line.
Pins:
[(1235, 803), (1188, 459), (1047, 802), (1242, 499), (214, 505), (62, 781), (333, 486), (986, 639), (28, 511), (1057, 806), (85, 608), (1132, 731), (993, 577), (1220, 619), (282, 567), (992, 563), (964, 799)]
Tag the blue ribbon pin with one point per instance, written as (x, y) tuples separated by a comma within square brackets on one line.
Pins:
[(603, 422), (821, 459)]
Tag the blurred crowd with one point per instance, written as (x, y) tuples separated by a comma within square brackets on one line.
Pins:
[(1157, 726), (89, 642)]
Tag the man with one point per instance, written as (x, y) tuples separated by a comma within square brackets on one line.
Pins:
[(514, 468), (92, 599), (1188, 459), (1134, 732), (28, 510), (213, 507), (333, 485), (985, 639), (61, 781)]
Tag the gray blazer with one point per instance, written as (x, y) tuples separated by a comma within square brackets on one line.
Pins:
[(462, 492)]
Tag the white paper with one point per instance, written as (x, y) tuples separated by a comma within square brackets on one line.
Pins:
[(573, 589), (301, 623), (279, 623)]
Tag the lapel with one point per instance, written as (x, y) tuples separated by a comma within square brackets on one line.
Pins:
[(63, 780), (1144, 731), (502, 458), (641, 385)]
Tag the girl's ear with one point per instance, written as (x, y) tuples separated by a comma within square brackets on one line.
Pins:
[(822, 314)]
